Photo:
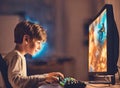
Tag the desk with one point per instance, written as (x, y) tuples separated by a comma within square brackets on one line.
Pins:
[(88, 86), (50, 86), (102, 86)]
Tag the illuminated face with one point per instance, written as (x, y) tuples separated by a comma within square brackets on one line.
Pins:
[(34, 46)]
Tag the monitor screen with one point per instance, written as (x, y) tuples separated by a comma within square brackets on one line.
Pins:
[(98, 44)]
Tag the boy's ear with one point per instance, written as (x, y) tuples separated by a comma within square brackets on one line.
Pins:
[(26, 38)]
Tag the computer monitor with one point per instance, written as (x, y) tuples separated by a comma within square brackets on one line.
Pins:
[(103, 43)]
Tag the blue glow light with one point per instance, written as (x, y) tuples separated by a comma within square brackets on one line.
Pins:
[(41, 52), (101, 28), (31, 19)]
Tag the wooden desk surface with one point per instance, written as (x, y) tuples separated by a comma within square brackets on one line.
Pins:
[(102, 86), (88, 86)]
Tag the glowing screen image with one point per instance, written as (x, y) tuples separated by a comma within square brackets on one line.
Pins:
[(98, 44)]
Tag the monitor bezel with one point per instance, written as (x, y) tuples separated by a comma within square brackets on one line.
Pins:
[(110, 38)]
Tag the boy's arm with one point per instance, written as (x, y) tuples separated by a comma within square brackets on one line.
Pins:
[(17, 74)]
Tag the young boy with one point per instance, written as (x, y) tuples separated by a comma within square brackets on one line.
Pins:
[(28, 38)]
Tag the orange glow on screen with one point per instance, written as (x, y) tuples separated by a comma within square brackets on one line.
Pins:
[(98, 44)]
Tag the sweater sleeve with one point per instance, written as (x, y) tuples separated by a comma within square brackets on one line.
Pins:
[(17, 74)]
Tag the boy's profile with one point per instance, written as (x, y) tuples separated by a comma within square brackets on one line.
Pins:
[(28, 38)]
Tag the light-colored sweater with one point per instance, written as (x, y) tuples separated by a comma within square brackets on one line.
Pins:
[(17, 73)]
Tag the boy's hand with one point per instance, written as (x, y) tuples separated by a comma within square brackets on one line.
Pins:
[(54, 77)]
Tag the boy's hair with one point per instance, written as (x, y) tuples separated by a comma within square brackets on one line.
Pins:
[(35, 31)]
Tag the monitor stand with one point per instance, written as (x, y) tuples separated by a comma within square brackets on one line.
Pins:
[(103, 79)]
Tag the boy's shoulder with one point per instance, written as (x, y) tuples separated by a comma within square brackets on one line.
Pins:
[(12, 54)]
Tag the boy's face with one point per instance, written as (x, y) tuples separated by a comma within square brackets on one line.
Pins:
[(34, 46)]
